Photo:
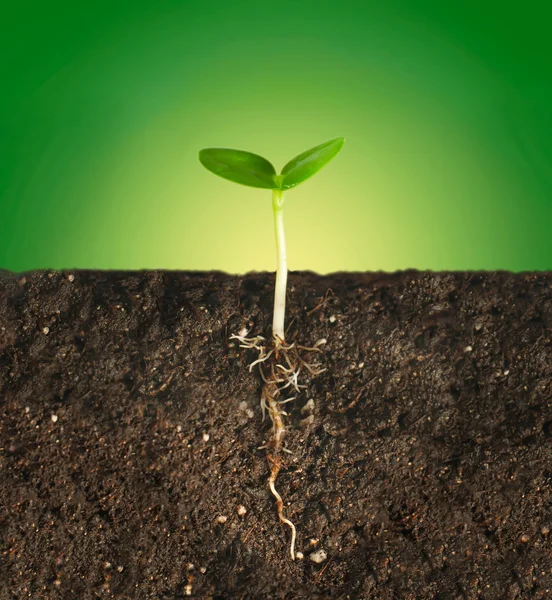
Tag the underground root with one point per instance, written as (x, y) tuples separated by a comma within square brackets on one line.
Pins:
[(280, 368)]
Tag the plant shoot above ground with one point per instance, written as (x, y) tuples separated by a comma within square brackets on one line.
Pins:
[(255, 171)]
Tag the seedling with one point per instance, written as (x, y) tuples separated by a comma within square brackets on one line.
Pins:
[(253, 170)]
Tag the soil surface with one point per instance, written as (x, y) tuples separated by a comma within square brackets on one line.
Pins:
[(130, 429)]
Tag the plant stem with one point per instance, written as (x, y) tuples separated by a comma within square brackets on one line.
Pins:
[(281, 268)]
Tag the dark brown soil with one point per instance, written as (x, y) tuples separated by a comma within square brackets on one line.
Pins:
[(130, 430)]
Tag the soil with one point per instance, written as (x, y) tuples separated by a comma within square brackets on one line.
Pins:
[(130, 430)]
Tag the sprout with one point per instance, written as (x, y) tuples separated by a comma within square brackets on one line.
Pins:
[(280, 365), (255, 171)]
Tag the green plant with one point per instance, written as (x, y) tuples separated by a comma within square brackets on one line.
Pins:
[(280, 365), (255, 171)]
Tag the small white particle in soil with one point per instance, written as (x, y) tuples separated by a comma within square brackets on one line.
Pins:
[(309, 406), (319, 556), (361, 365), (120, 569), (222, 519), (70, 277), (332, 319), (190, 566), (206, 437), (188, 589), (179, 428), (45, 330), (506, 372), (241, 510), (468, 349), (27, 410), (299, 555), (203, 569), (246, 409), (54, 418)]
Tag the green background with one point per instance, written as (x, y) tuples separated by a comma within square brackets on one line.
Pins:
[(446, 108)]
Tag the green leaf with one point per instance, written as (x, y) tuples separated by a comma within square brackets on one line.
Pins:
[(309, 162), (239, 166)]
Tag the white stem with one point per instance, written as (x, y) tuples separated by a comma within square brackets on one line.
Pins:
[(281, 269)]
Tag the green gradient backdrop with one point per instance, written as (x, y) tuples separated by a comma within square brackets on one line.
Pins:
[(446, 108)]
